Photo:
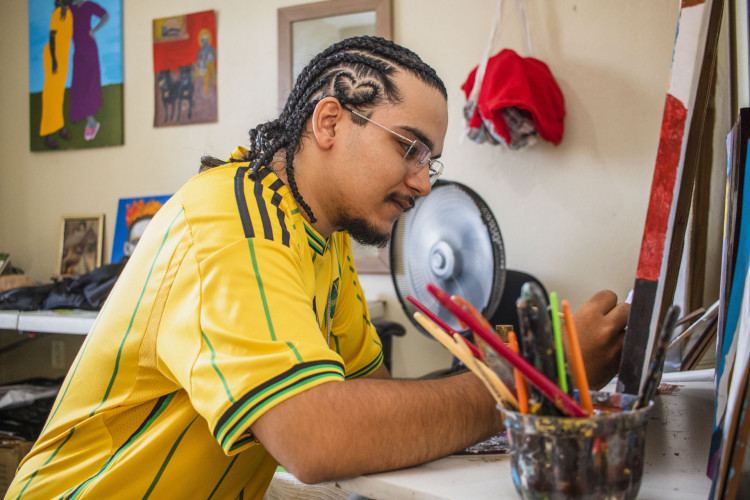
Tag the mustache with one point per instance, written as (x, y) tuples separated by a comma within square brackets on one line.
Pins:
[(403, 200)]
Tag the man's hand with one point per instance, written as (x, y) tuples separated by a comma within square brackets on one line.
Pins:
[(601, 332)]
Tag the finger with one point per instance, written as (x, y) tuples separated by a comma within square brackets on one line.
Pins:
[(618, 316), (604, 300)]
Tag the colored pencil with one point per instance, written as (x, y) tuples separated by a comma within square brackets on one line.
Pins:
[(579, 368), (523, 396), (442, 324), (561, 400), (499, 391), (559, 349)]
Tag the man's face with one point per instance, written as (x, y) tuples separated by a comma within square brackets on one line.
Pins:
[(371, 184)]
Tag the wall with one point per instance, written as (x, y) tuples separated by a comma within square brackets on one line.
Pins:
[(572, 214)]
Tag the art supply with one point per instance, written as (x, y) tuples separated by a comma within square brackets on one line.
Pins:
[(559, 349), (521, 391), (440, 323), (499, 391), (503, 369), (564, 402), (538, 404), (584, 458), (653, 377), (541, 330), (503, 331), (575, 352)]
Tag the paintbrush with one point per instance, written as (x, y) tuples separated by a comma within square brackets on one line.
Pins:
[(656, 367), (538, 404), (459, 348), (564, 402)]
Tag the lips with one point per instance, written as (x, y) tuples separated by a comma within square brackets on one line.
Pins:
[(405, 202)]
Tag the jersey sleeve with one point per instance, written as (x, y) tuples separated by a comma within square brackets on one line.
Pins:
[(256, 340)]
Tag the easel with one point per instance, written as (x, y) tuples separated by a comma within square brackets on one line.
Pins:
[(663, 244)]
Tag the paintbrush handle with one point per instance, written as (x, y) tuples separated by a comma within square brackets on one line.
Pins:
[(656, 367), (549, 389)]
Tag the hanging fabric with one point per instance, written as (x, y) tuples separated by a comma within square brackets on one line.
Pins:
[(512, 100)]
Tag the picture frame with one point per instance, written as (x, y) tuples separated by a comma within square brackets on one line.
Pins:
[(81, 244), (335, 19)]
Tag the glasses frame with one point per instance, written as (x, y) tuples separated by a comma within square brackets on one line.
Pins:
[(435, 166)]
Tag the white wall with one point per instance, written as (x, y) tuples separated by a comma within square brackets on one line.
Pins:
[(572, 215)]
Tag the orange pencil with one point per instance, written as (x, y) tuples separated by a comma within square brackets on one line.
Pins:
[(521, 391), (575, 352)]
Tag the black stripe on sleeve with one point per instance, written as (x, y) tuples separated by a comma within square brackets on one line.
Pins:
[(263, 211), (267, 384), (239, 194), (276, 201)]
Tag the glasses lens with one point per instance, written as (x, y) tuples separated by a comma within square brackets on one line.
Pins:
[(436, 168), (417, 156)]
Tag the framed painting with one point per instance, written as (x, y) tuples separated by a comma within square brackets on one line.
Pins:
[(185, 69), (133, 215), (75, 74), (81, 239)]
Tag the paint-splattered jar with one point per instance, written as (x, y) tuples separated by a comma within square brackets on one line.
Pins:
[(582, 458)]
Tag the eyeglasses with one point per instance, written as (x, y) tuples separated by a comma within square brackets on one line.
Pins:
[(417, 154)]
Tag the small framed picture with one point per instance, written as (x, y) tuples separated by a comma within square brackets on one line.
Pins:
[(81, 240)]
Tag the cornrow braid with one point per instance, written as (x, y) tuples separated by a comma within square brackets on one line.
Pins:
[(358, 72)]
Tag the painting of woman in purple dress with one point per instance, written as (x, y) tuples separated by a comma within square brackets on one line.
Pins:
[(86, 86)]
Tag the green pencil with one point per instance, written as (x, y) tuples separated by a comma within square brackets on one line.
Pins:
[(559, 350)]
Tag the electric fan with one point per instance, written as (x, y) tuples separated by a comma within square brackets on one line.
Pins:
[(451, 239)]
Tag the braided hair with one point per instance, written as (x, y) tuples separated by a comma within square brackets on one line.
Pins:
[(358, 72)]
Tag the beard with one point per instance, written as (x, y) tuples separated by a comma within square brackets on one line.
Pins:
[(364, 232)]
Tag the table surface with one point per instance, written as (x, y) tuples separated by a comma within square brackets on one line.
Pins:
[(677, 443)]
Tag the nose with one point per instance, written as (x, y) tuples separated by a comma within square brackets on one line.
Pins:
[(419, 181)]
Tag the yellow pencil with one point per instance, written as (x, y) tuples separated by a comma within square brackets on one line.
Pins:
[(575, 352)]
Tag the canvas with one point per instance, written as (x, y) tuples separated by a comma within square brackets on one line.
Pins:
[(185, 69), (75, 74), (133, 215)]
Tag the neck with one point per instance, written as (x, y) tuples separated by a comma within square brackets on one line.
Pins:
[(306, 190)]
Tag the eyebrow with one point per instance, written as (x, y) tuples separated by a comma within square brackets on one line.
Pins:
[(420, 136)]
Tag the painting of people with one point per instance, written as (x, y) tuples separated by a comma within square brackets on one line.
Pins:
[(75, 74), (185, 69), (133, 215)]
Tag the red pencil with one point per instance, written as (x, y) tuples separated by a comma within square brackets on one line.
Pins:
[(442, 324)]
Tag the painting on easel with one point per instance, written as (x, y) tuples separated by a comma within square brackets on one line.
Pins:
[(672, 185), (185, 69), (75, 74)]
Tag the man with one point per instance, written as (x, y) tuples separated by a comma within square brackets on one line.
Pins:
[(238, 335)]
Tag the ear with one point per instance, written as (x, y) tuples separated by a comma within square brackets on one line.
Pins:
[(325, 121)]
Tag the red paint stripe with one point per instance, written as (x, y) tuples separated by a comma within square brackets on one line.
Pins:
[(662, 189)]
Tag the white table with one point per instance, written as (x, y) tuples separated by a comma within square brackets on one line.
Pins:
[(78, 322), (678, 436)]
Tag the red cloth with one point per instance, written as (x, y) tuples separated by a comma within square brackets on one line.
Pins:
[(522, 82)]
